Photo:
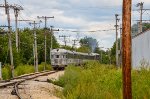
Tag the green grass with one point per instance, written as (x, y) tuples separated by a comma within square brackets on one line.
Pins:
[(96, 81), (6, 72), (41, 67), (22, 69)]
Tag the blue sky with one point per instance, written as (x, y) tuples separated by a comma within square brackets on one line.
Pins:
[(80, 15)]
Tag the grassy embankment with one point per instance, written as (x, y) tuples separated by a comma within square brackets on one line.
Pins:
[(96, 81), (22, 69)]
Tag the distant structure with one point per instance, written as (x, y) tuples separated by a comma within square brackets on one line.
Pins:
[(141, 50)]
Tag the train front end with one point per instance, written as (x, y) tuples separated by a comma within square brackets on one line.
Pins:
[(58, 58)]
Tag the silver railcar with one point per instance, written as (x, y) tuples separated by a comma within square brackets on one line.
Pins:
[(60, 58)]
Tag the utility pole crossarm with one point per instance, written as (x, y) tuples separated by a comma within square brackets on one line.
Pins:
[(65, 41), (45, 19)]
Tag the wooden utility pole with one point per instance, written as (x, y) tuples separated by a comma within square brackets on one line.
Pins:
[(45, 18), (101, 54), (35, 46), (51, 31), (117, 20), (74, 43), (141, 16), (7, 8), (65, 41), (109, 54), (126, 45), (120, 45), (16, 11)]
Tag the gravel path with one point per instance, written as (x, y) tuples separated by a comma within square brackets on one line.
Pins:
[(37, 88)]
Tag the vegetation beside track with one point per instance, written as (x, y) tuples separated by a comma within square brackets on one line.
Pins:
[(97, 81), (22, 69)]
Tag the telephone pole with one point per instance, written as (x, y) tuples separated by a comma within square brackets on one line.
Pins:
[(35, 45), (7, 8), (120, 45), (17, 8), (109, 55), (51, 31), (45, 18), (141, 15), (101, 54), (126, 45), (65, 41), (74, 43), (117, 20)]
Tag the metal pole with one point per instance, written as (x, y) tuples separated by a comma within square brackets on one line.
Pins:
[(126, 45)]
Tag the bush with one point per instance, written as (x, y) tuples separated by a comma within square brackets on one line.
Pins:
[(6, 72), (24, 69), (21, 70), (41, 67), (96, 81)]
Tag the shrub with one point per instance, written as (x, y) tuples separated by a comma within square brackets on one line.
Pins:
[(24, 69), (97, 81), (41, 67), (6, 72)]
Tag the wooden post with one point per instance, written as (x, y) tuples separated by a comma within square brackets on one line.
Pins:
[(126, 45)]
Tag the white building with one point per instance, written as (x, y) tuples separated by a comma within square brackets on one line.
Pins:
[(141, 49)]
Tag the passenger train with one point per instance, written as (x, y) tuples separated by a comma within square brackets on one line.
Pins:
[(60, 58)]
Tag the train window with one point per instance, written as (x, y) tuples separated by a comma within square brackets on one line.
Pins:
[(52, 56), (57, 56), (63, 56)]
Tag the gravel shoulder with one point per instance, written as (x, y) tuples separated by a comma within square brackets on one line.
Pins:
[(37, 88)]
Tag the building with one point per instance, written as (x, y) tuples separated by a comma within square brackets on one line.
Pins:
[(141, 50)]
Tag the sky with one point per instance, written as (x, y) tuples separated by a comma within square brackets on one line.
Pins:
[(76, 18)]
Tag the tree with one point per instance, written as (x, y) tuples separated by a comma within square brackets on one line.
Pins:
[(84, 49), (26, 41), (146, 26), (89, 42)]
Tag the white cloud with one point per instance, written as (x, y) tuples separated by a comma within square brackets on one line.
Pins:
[(69, 13)]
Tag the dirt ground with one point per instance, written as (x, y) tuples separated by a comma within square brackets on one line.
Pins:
[(37, 88)]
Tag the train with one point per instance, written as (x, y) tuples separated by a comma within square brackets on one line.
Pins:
[(60, 58)]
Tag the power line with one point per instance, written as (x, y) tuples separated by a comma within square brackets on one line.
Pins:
[(88, 31)]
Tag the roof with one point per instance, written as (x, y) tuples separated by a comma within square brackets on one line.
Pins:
[(72, 52)]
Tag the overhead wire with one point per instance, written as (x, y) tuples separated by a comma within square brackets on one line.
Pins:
[(87, 31)]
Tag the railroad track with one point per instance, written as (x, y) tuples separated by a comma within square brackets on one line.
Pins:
[(18, 80)]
